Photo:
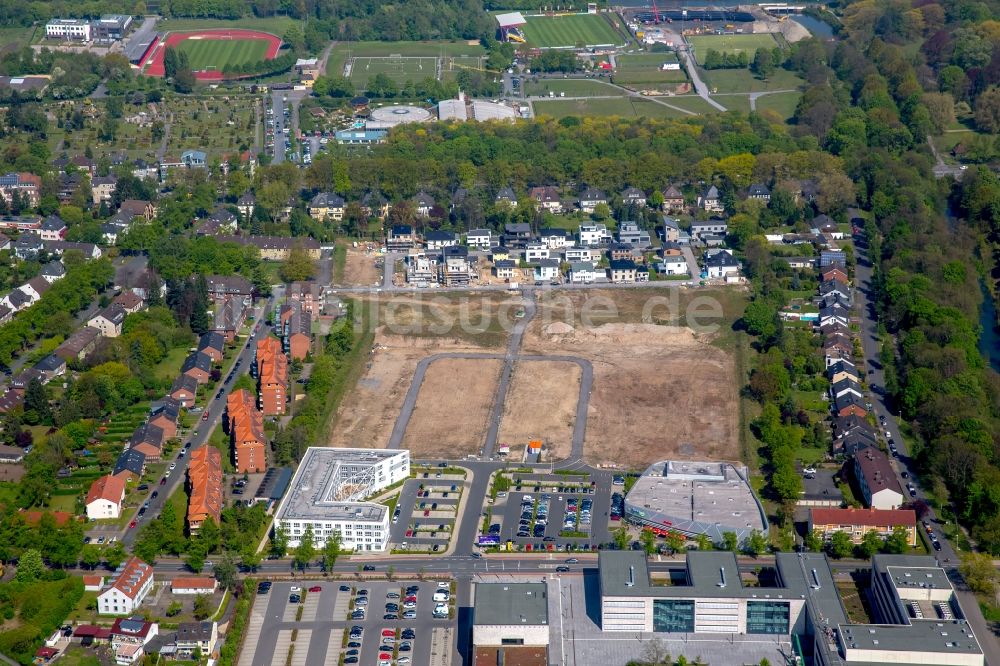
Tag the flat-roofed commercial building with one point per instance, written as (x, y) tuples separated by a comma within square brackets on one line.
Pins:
[(510, 623), (916, 616), (329, 491), (695, 498), (78, 29)]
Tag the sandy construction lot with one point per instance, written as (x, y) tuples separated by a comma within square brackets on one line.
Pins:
[(541, 404), (360, 269), (369, 410), (453, 408), (660, 391)]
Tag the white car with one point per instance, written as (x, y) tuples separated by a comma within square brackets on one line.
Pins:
[(809, 470), (173, 466), (888, 435), (296, 589)]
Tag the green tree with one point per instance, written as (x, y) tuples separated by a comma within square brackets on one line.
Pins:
[(898, 541), (730, 542), (675, 542), (30, 566), (840, 545), (225, 571), (871, 543), (648, 541), (279, 542), (195, 559), (331, 549), (115, 555), (306, 550), (621, 537), (763, 63), (202, 607), (90, 556), (979, 573), (757, 543), (703, 542), (298, 267)]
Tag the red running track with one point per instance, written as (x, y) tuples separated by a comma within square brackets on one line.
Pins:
[(155, 59)]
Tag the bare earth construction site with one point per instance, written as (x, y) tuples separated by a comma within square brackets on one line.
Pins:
[(658, 389)]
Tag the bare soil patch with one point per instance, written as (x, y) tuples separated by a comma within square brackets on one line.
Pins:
[(420, 327), (541, 404), (360, 268), (660, 390), (453, 407)]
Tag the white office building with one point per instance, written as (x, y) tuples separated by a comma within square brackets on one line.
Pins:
[(329, 493), (78, 29)]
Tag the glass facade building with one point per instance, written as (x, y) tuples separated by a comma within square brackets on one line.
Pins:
[(674, 615), (767, 617)]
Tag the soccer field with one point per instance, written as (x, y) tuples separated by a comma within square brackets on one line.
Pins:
[(571, 30), (646, 68), (398, 68), (217, 53), (731, 43)]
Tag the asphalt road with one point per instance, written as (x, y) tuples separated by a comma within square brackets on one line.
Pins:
[(202, 429), (692, 70)]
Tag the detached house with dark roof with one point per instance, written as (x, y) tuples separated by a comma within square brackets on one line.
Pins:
[(710, 200), (198, 366), (184, 390), (505, 198), (759, 192), (877, 480), (548, 199), (400, 237), (213, 344), (109, 321), (673, 199), (591, 198), (438, 239), (633, 196), (422, 204), (327, 206)]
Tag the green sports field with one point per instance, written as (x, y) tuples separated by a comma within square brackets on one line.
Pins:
[(731, 43), (217, 53), (398, 68), (645, 68), (548, 32)]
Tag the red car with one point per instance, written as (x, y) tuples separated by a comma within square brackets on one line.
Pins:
[(131, 525), (409, 533), (389, 632), (427, 513), (315, 588), (163, 481)]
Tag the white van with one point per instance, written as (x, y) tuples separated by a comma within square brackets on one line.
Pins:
[(441, 595)]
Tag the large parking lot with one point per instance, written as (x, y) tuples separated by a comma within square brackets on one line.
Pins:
[(318, 622), (425, 514), (551, 512)]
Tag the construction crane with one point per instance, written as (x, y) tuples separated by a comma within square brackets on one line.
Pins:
[(656, 14)]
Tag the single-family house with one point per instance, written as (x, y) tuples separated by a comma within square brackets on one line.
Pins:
[(105, 497), (198, 365), (673, 199), (53, 271), (623, 270), (129, 301), (50, 367), (629, 232), (591, 235), (672, 265), (109, 321), (591, 198), (555, 239), (834, 314), (138, 208), (505, 269), (714, 226), (149, 440), (623, 251), (246, 204), (505, 198), (577, 254), (844, 387), (78, 345), (546, 270), (60, 247), (438, 239), (213, 344), (184, 390), (849, 404), (516, 234), (842, 369), (196, 638), (194, 158), (422, 204), (832, 257), (583, 272), (547, 198), (53, 228), (163, 414), (721, 264), (834, 273), (220, 286), (710, 200), (759, 192), (130, 584), (27, 246), (400, 237), (194, 585), (102, 188), (35, 288), (536, 251), (479, 239), (373, 204), (633, 196), (327, 206)]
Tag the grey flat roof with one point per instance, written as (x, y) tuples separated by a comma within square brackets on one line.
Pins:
[(696, 497), (942, 636), (329, 484), (511, 603), (808, 575)]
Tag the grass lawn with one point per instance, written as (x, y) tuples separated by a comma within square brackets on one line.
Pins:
[(78, 656), (443, 49), (700, 44), (644, 68), (63, 503), (572, 88), (217, 53), (167, 369), (276, 25), (219, 440), (571, 30), (628, 107), (14, 37), (781, 103), (742, 81), (400, 70), (692, 103), (739, 103)]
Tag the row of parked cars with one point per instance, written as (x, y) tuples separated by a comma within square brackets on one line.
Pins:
[(388, 645), (617, 506)]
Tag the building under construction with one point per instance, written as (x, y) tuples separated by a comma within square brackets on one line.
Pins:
[(329, 494)]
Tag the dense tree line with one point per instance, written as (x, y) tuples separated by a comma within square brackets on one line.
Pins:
[(725, 60)]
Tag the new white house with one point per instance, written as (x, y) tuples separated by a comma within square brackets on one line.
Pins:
[(130, 584), (329, 491), (104, 500)]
